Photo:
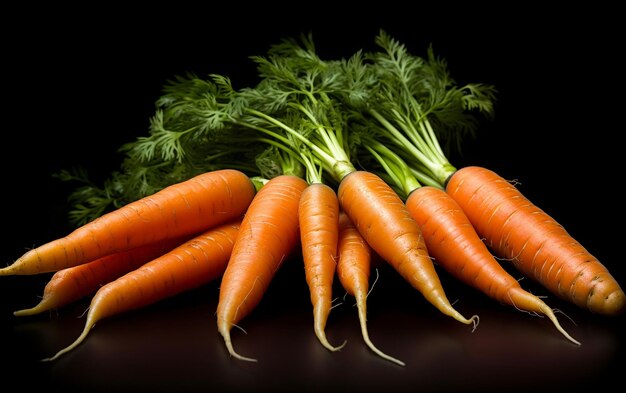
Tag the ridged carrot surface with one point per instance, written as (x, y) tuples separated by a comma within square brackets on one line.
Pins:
[(74, 283), (188, 266), (455, 245), (353, 269), (519, 231), (319, 234), (269, 232), (386, 224), (185, 208)]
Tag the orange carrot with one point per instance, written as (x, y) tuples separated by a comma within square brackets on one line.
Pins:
[(192, 264), (182, 209), (353, 269), (453, 242), (385, 223), (319, 219), (269, 232), (74, 283), (534, 242)]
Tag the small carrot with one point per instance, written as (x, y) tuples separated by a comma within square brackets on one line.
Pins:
[(453, 242), (185, 208), (74, 283), (319, 219), (353, 269), (192, 264), (533, 241), (384, 221), (269, 232)]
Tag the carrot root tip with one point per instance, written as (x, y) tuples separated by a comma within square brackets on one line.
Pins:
[(475, 320), (321, 336), (229, 345), (366, 337), (550, 314), (75, 344), (337, 348), (26, 312)]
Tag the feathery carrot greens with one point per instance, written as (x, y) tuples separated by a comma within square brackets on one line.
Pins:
[(308, 84), (366, 136), (413, 107)]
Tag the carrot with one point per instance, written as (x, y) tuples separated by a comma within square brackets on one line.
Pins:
[(353, 269), (269, 232), (192, 264), (385, 223), (453, 242), (513, 227), (533, 241), (185, 208), (304, 115), (73, 283), (318, 213)]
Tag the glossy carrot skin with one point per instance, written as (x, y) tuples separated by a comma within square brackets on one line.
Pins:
[(192, 264), (537, 245), (455, 245), (453, 242), (182, 209), (71, 284), (386, 224), (318, 213), (354, 259), (353, 269), (269, 232), (188, 266)]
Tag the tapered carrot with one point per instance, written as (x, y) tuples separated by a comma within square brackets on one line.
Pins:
[(269, 232), (192, 264), (453, 242), (534, 242), (322, 128), (182, 209), (353, 269), (384, 221), (74, 283), (318, 213)]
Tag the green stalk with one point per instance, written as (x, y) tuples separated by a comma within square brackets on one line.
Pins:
[(396, 168)]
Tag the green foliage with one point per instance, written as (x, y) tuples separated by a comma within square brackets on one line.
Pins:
[(306, 116)]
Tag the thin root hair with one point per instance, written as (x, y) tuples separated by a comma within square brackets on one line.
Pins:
[(374, 283), (475, 319), (336, 305), (246, 297), (84, 312), (240, 328), (531, 313), (515, 182), (559, 311)]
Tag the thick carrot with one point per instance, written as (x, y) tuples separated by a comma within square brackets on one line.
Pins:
[(353, 269), (192, 264), (384, 221), (318, 213), (269, 232), (455, 245), (182, 209), (533, 241), (74, 283)]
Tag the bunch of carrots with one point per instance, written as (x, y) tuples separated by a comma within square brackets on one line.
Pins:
[(345, 158)]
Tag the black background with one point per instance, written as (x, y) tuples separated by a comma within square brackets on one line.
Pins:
[(79, 83)]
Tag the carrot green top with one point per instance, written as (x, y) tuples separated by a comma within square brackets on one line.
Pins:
[(413, 103), (307, 116)]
